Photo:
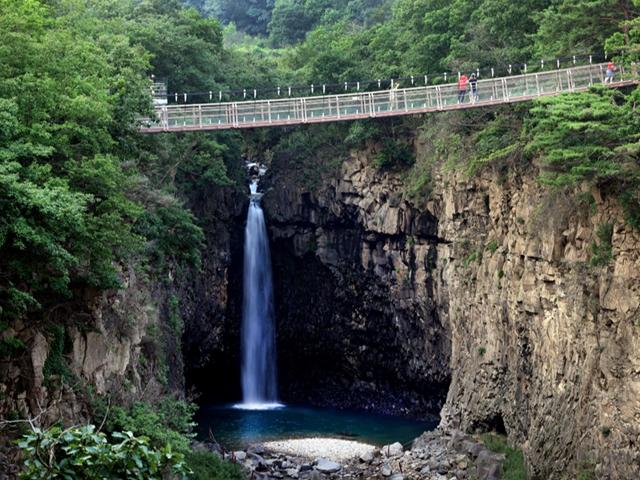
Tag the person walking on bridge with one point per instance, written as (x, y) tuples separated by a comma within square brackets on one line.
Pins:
[(462, 87), (474, 87), (611, 68)]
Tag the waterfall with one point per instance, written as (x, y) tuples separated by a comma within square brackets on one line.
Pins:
[(259, 376)]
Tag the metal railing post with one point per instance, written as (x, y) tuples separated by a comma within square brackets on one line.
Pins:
[(200, 116)]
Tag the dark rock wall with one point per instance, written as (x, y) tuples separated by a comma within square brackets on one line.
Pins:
[(211, 299), (356, 324)]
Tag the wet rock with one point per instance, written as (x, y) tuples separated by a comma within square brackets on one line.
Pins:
[(240, 456), (393, 450), (367, 457), (325, 465), (385, 470)]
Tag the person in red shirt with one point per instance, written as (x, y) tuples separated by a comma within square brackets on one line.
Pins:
[(462, 87), (611, 68)]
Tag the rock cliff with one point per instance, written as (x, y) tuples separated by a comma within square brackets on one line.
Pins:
[(354, 289), (490, 285)]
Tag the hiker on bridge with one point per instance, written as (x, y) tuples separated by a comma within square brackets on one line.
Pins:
[(462, 87), (393, 97), (474, 87), (611, 69)]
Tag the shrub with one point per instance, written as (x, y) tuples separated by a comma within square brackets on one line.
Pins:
[(394, 154), (169, 422), (601, 251), (513, 466), (492, 246), (55, 364), (81, 452), (208, 466)]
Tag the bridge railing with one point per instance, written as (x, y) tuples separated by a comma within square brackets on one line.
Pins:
[(248, 114)]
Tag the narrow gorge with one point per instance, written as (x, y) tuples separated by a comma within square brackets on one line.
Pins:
[(479, 305), (302, 240)]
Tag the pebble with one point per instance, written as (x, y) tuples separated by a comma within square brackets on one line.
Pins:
[(367, 456), (334, 449), (325, 465), (393, 450)]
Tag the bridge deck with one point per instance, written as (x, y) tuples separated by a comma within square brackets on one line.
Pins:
[(384, 103)]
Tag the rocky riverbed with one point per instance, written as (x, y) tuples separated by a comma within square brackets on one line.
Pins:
[(434, 455)]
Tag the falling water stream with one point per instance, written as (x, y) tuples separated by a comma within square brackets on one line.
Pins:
[(259, 376), (259, 417)]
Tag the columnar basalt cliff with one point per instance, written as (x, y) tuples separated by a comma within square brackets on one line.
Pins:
[(491, 282), (353, 267), (543, 344), (211, 298)]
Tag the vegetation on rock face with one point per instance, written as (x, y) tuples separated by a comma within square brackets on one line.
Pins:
[(513, 467)]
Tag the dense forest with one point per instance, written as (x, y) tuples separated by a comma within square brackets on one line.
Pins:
[(83, 194)]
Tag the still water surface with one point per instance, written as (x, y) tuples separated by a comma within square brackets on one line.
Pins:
[(235, 428)]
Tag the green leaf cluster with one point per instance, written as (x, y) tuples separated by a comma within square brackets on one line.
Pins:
[(168, 422), (82, 452)]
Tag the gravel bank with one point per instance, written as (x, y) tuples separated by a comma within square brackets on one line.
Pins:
[(332, 448)]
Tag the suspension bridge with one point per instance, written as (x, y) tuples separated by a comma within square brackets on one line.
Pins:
[(381, 103)]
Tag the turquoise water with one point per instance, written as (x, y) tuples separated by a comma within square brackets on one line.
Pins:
[(235, 428)]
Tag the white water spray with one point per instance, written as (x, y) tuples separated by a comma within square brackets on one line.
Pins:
[(259, 376)]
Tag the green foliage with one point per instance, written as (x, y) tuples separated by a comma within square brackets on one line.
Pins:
[(311, 153), (250, 16), (81, 452), (579, 27), (394, 153), (168, 422), (9, 344), (492, 246), (475, 256), (175, 236), (590, 137), (625, 43), (513, 467), (175, 317), (497, 142), (80, 190), (209, 466), (55, 364), (482, 351), (601, 251)]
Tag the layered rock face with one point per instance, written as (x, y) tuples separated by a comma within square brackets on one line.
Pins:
[(353, 269), (489, 283), (543, 345), (110, 343)]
